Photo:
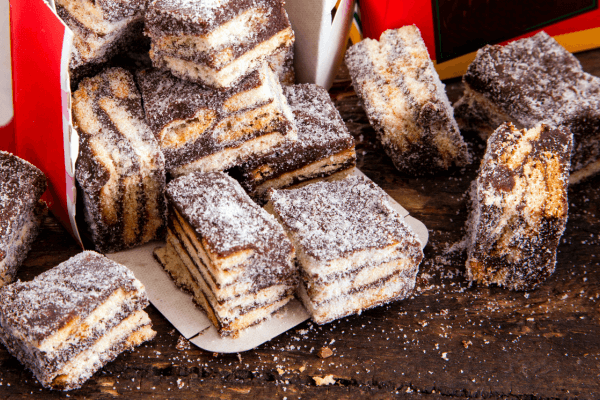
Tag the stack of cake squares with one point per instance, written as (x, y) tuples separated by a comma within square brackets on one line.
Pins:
[(230, 253)]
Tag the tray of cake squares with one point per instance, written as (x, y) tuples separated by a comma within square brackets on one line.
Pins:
[(213, 186)]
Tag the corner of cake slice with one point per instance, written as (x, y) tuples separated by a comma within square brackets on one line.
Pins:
[(227, 251), (120, 167), (405, 101), (21, 211), (324, 146), (531, 81), (217, 44), (519, 207), (70, 321), (206, 130), (102, 29), (354, 250)]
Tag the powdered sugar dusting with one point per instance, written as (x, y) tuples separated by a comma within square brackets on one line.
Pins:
[(217, 207), (73, 289), (534, 80), (335, 219)]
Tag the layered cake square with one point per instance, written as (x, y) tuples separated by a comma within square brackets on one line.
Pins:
[(217, 43), (227, 251), (102, 29), (354, 250), (531, 81), (120, 167), (70, 321), (324, 146), (519, 206), (405, 101), (201, 129), (21, 211)]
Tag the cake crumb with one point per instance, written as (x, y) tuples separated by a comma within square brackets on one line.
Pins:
[(324, 352), (326, 380)]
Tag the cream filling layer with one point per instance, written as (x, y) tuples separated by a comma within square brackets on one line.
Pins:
[(232, 72)]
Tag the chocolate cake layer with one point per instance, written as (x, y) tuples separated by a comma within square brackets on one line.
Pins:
[(120, 167), (354, 250), (66, 323), (531, 81), (216, 44), (239, 261), (406, 102), (324, 145), (21, 186), (519, 207), (96, 39), (207, 130), (103, 16)]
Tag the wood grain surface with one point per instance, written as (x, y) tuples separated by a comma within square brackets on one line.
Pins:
[(450, 339)]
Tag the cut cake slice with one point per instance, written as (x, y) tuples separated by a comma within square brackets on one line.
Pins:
[(21, 211), (519, 207), (354, 250), (120, 167), (231, 254), (68, 322)]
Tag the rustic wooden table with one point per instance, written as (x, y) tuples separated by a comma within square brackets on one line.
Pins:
[(449, 340)]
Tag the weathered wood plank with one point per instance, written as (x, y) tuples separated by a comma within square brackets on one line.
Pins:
[(450, 339)]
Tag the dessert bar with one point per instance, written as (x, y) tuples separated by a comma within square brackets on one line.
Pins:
[(227, 251), (210, 130), (405, 101), (519, 206), (68, 322), (216, 43), (324, 146), (120, 167), (21, 210), (531, 81), (353, 249), (101, 30)]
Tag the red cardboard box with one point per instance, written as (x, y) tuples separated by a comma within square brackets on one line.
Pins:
[(453, 30), (43, 133)]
